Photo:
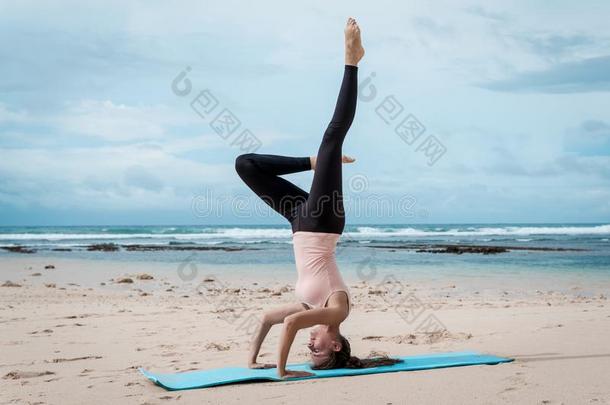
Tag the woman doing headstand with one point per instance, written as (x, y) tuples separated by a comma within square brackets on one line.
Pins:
[(317, 220)]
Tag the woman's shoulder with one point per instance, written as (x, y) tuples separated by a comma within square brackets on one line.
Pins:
[(339, 299)]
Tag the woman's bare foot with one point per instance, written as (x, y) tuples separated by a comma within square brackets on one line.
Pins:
[(353, 43), (344, 159)]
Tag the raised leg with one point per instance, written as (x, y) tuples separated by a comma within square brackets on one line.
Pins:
[(323, 211)]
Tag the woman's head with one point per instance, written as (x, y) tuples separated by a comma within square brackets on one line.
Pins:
[(324, 344), (329, 349)]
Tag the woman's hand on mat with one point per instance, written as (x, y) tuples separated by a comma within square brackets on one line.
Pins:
[(261, 365), (295, 374)]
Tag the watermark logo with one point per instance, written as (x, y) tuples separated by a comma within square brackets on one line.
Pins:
[(233, 309), (357, 205), (406, 304), (406, 125), (221, 120), (358, 183), (229, 307)]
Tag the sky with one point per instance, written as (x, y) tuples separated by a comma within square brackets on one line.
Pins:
[(469, 111)]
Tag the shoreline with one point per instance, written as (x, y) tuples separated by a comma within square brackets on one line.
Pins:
[(184, 274)]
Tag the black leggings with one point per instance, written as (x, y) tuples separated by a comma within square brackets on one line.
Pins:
[(322, 209)]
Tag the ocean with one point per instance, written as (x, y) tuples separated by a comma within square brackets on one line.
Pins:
[(403, 247)]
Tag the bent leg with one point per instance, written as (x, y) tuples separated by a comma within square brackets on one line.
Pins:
[(261, 175), (276, 164)]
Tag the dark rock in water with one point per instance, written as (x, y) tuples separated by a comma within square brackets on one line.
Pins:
[(18, 249), (124, 280), (49, 267), (481, 249), (62, 250), (458, 250), (104, 247), (113, 247), (147, 248)]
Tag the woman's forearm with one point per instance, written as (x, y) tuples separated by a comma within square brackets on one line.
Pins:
[(286, 339), (259, 337)]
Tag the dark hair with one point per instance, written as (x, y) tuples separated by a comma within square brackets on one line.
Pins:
[(344, 359)]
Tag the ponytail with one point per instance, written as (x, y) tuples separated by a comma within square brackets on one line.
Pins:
[(354, 362)]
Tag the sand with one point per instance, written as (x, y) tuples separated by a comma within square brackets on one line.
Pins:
[(73, 334)]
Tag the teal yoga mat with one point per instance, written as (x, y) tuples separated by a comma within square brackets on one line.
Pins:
[(232, 375)]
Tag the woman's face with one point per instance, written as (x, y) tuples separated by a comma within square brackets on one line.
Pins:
[(321, 344)]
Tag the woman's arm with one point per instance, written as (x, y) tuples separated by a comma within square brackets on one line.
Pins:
[(302, 320), (269, 319)]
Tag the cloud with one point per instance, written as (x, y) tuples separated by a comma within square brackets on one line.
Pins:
[(433, 27), (596, 166), (178, 129), (116, 122), (596, 127), (556, 45), (140, 177), (485, 13), (591, 138), (10, 116), (53, 62), (105, 178), (587, 75)]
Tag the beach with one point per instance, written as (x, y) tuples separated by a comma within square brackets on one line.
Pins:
[(76, 330), (160, 161)]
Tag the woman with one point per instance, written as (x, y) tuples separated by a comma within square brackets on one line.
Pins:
[(317, 221)]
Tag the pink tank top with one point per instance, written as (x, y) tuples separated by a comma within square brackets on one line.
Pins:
[(319, 276)]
